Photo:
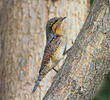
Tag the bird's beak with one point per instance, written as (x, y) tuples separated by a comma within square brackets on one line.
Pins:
[(60, 20)]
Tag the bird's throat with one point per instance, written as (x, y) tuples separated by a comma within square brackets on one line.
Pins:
[(59, 31), (56, 29)]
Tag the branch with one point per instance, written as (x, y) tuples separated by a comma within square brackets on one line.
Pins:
[(87, 61)]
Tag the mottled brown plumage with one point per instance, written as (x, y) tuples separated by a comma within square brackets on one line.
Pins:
[(54, 50), (49, 51)]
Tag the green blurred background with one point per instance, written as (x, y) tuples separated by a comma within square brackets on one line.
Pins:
[(104, 91)]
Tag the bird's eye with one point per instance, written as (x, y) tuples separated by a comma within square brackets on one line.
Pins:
[(51, 23)]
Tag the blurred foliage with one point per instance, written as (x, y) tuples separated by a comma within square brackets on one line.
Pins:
[(91, 2), (104, 92)]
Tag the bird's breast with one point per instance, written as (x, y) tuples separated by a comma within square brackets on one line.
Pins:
[(58, 55)]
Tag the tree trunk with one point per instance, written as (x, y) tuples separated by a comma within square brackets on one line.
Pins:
[(22, 40), (88, 60)]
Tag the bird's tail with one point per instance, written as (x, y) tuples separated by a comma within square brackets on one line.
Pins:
[(36, 84)]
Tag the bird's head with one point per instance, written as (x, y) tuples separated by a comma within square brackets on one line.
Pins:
[(54, 25)]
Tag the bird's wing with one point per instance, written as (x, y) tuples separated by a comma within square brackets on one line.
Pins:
[(49, 51)]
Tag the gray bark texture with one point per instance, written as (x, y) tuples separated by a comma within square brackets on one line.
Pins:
[(88, 60)]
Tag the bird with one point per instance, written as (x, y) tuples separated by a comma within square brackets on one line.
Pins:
[(54, 49)]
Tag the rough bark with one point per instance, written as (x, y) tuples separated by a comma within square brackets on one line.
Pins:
[(88, 60), (22, 40)]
